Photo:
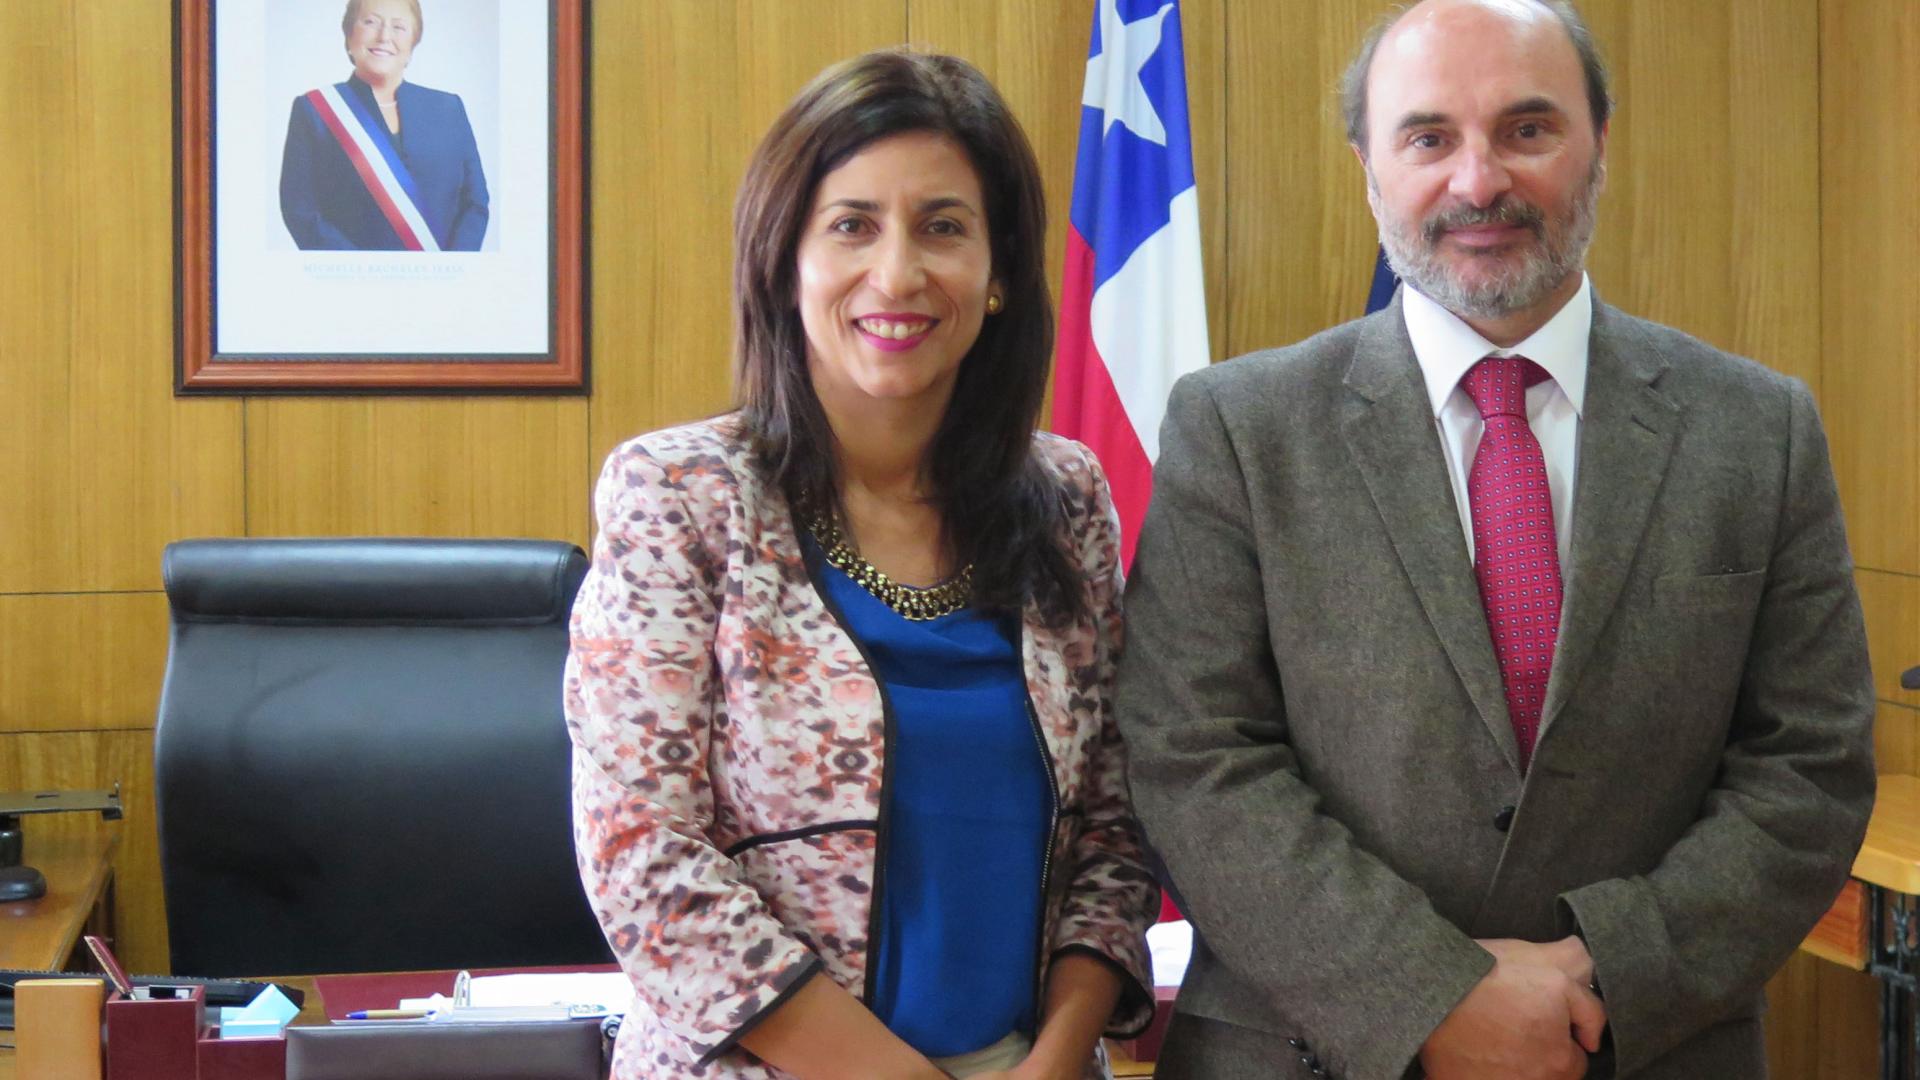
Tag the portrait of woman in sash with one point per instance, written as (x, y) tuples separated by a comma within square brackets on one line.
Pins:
[(377, 163)]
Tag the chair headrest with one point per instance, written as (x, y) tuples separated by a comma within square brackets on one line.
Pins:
[(486, 582)]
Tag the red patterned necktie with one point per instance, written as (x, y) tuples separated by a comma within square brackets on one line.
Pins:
[(1516, 558)]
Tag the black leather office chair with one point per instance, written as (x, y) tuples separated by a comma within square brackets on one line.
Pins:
[(360, 760)]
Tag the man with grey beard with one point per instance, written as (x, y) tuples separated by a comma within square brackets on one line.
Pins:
[(1495, 684)]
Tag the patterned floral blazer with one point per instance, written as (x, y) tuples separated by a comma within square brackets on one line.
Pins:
[(730, 756)]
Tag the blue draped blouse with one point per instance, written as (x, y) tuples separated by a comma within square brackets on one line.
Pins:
[(968, 807)]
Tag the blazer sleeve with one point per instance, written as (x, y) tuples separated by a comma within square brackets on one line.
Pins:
[(299, 196), (1284, 896), (469, 227), (1113, 896), (1688, 944), (704, 951)]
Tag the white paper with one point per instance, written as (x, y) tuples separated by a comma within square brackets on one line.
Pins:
[(1172, 946), (610, 990)]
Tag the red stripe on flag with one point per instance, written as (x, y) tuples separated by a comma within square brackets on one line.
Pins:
[(367, 176), (1087, 407)]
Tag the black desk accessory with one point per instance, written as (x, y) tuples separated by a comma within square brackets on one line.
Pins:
[(447, 1050), (1910, 679), (21, 882)]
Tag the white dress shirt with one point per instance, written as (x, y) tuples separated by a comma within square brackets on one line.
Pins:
[(1446, 347)]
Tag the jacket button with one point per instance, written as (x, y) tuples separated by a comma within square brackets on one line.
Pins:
[(1297, 1042), (1504, 819)]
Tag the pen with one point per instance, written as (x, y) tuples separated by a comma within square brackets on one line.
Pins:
[(389, 1014), (109, 964)]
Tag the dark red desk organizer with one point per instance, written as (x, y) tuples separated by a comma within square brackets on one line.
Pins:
[(259, 1058), (154, 1038), (171, 1039)]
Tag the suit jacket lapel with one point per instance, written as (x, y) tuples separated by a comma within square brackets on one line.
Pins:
[(1627, 435), (1387, 421)]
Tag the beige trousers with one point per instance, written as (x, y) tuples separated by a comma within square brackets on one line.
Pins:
[(1004, 1054)]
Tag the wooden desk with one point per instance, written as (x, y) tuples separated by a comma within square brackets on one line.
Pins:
[(1875, 924), (1125, 1067), (1890, 855), (1888, 867), (1889, 859), (314, 1011), (44, 933)]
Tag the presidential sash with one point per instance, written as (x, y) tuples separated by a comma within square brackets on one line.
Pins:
[(363, 139)]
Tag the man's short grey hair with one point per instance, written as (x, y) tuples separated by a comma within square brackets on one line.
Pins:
[(1353, 82)]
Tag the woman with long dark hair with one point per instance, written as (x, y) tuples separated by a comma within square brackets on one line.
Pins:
[(849, 798)]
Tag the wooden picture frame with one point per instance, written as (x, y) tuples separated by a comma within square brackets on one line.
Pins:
[(317, 255)]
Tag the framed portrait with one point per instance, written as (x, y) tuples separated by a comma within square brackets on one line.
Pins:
[(380, 195)]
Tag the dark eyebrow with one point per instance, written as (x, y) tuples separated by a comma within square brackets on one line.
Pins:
[(1420, 120), (868, 206), (947, 202), (1526, 107), (1530, 106)]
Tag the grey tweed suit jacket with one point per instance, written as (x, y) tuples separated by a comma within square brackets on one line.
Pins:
[(1319, 740)]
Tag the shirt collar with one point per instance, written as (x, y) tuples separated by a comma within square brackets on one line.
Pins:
[(1446, 346)]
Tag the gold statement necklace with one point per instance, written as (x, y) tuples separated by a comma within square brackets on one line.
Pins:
[(917, 604)]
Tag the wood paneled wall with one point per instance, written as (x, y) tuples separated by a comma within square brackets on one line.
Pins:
[(1869, 378), (1759, 196)]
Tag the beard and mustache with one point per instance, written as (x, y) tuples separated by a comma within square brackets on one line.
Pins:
[(1413, 251)]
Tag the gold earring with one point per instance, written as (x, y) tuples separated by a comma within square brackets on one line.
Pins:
[(993, 305)]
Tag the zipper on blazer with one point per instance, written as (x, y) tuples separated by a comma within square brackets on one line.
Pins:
[(882, 832), (1053, 800), (1053, 830)]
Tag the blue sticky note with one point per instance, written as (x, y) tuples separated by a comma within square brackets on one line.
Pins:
[(249, 1029), (266, 1014)]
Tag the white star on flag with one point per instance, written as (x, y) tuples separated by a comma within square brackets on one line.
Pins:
[(1113, 78), (1133, 305)]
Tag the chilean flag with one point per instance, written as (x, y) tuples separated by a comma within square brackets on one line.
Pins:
[(1380, 293), (1133, 311)]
